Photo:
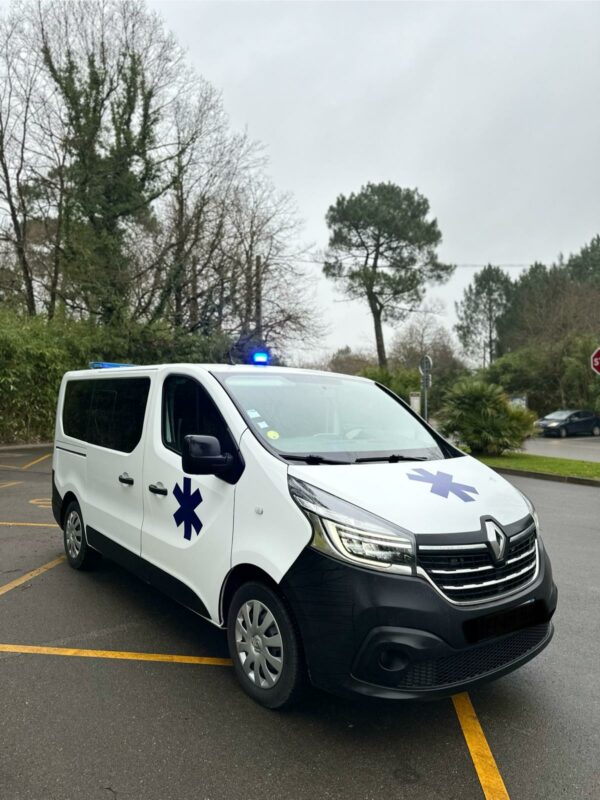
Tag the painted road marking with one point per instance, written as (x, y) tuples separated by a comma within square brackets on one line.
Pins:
[(483, 760), (41, 502), (114, 654), (29, 524), (36, 461), (33, 574), (8, 484)]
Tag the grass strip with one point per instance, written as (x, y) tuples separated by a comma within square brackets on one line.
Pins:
[(565, 467)]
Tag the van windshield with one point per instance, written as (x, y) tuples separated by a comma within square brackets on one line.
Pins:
[(331, 417)]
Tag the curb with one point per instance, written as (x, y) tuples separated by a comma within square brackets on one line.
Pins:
[(41, 445), (544, 476)]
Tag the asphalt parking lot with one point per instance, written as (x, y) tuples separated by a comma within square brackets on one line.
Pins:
[(93, 706), (580, 448)]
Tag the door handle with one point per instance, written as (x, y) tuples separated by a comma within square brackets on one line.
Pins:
[(124, 478), (158, 488)]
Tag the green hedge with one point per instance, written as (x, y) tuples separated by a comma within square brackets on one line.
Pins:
[(34, 355)]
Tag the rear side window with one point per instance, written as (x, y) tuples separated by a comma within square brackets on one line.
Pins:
[(76, 408), (108, 412)]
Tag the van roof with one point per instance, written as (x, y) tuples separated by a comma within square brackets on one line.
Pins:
[(213, 368)]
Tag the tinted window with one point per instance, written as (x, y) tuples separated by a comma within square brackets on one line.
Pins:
[(108, 412), (188, 409), (76, 408)]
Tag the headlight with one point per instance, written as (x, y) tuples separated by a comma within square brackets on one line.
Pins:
[(350, 533), (533, 512), (552, 424)]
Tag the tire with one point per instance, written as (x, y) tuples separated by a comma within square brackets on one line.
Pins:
[(79, 554), (596, 430), (272, 675), (563, 433)]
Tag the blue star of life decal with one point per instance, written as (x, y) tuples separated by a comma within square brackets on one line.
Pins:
[(186, 513), (443, 484)]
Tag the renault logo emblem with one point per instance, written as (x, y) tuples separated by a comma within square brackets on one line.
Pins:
[(496, 540)]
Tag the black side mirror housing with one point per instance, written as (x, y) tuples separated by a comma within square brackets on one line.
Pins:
[(202, 455)]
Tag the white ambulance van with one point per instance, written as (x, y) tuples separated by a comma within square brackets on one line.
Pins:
[(334, 534)]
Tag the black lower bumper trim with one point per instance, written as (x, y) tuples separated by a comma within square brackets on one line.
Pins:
[(396, 637), (475, 662)]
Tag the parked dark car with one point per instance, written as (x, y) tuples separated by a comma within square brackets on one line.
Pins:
[(569, 423)]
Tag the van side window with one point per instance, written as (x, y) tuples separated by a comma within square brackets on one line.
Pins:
[(76, 408), (108, 412), (188, 409)]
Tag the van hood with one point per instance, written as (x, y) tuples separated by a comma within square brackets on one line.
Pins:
[(444, 496)]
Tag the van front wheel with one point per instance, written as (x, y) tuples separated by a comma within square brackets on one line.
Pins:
[(264, 646), (79, 554)]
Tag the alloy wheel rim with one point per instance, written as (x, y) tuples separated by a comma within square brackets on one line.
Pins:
[(258, 643), (74, 534)]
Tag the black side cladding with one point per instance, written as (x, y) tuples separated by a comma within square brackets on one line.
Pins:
[(56, 502)]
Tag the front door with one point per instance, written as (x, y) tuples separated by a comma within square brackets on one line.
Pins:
[(188, 519)]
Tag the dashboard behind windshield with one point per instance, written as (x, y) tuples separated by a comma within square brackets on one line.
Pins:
[(331, 416)]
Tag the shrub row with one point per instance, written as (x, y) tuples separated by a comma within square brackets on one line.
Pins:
[(34, 355)]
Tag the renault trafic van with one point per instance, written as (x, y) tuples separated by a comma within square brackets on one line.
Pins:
[(332, 532)]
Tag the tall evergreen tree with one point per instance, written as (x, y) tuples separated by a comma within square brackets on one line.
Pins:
[(484, 302), (383, 249)]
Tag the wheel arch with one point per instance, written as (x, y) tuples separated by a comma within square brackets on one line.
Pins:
[(236, 577), (68, 498)]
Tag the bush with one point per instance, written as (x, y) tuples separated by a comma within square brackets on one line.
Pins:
[(479, 416), (34, 355)]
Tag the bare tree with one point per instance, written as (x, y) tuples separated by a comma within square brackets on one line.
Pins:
[(18, 79)]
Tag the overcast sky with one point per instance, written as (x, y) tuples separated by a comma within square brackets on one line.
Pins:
[(491, 110)]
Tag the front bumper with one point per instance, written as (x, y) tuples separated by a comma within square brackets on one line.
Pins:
[(546, 430), (396, 637)]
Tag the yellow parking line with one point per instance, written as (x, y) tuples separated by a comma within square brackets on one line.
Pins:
[(36, 461), (29, 575), (114, 654), (483, 760), (8, 484), (30, 524)]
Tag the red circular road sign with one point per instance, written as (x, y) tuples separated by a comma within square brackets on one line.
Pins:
[(596, 360)]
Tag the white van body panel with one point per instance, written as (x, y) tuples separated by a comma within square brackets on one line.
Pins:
[(388, 491), (113, 508), (270, 532)]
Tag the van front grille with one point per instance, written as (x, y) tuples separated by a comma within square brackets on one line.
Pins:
[(468, 574)]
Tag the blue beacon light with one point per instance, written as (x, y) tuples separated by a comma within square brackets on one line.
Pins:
[(106, 365), (260, 357)]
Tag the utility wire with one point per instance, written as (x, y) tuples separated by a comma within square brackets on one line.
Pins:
[(458, 266)]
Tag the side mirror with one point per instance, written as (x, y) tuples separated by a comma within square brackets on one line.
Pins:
[(202, 456)]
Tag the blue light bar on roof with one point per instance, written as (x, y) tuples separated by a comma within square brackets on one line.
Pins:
[(106, 365), (260, 357)]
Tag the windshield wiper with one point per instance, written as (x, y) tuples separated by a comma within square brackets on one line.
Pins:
[(312, 459), (395, 457)]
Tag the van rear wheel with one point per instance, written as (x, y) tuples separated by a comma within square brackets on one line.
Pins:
[(264, 645), (79, 554)]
